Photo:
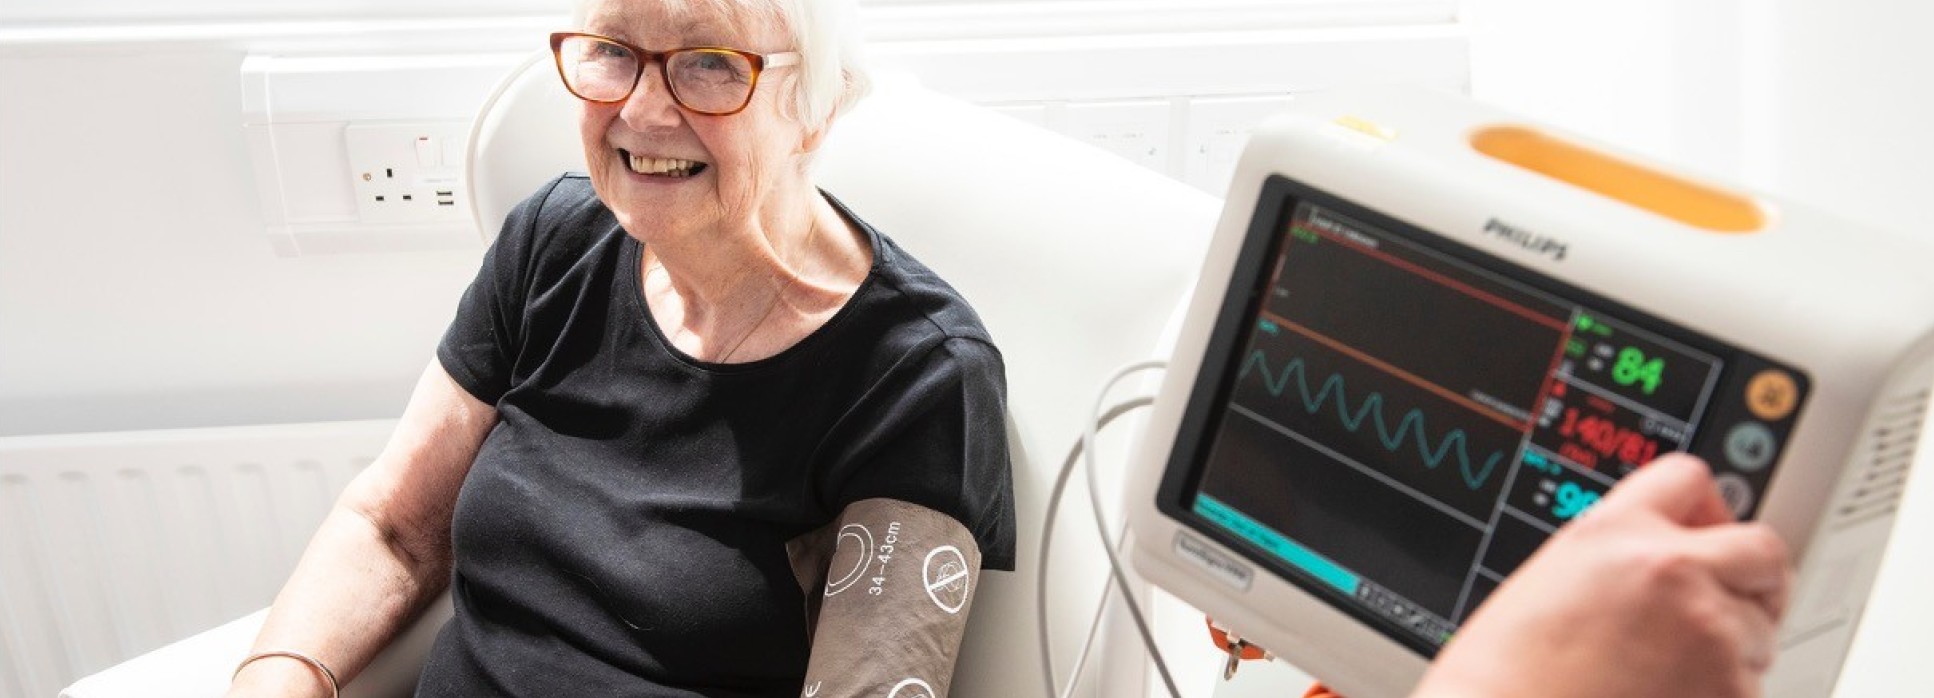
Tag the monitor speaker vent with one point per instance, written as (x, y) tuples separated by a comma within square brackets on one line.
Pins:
[(1883, 477)]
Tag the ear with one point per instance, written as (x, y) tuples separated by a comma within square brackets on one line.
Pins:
[(811, 139)]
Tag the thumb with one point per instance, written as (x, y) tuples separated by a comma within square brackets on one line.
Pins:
[(1677, 486)]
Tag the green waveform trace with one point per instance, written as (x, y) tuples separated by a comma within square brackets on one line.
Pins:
[(1372, 409)]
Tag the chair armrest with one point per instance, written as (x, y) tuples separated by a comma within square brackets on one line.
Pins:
[(200, 666)]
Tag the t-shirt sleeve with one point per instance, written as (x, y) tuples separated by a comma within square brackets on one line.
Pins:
[(933, 432), (479, 349)]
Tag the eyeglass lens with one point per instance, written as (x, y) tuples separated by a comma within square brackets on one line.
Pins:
[(703, 80)]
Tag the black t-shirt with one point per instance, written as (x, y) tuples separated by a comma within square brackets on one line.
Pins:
[(622, 531)]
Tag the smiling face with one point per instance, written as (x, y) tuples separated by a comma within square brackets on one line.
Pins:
[(669, 173)]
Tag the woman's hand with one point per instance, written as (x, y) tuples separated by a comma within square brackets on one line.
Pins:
[(1654, 592)]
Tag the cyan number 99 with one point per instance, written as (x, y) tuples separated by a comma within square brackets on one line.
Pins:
[(1572, 501)]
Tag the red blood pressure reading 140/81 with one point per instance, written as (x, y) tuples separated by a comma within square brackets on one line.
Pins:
[(1591, 438)]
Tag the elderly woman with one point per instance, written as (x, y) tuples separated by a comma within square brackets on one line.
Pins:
[(680, 389), (697, 429)]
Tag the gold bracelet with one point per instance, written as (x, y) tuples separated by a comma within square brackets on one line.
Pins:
[(327, 675)]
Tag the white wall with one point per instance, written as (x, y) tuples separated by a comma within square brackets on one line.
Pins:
[(1825, 104), (1670, 80), (136, 287), (1601, 69), (1851, 106)]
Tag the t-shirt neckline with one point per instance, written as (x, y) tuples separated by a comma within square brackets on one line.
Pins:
[(634, 254)]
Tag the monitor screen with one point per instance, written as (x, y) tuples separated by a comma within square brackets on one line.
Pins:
[(1394, 422)]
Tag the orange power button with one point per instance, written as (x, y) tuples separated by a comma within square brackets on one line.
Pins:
[(1772, 394)]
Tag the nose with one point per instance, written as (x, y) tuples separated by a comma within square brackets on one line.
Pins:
[(651, 104)]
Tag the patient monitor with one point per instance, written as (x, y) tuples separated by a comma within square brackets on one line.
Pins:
[(1428, 334)]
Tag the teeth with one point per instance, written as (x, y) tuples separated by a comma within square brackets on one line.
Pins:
[(662, 166)]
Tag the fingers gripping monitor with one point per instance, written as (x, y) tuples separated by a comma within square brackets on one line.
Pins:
[(1426, 336)]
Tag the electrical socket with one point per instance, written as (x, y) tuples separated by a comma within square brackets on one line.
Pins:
[(408, 173)]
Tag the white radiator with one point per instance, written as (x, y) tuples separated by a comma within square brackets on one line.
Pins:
[(115, 544)]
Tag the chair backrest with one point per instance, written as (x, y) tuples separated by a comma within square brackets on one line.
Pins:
[(1074, 258)]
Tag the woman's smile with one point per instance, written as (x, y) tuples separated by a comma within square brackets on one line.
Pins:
[(657, 167)]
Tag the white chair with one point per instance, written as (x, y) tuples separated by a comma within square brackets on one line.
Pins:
[(1074, 258)]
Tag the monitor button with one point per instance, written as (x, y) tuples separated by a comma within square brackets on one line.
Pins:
[(1737, 494), (1772, 395), (1750, 446)]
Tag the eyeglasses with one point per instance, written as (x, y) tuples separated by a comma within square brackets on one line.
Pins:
[(706, 79)]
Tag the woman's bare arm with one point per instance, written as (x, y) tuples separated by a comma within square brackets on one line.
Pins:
[(381, 553)]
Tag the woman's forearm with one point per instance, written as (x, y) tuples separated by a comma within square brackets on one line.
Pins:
[(355, 587), (383, 551)]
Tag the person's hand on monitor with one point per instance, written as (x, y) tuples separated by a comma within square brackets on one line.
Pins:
[(1655, 591)]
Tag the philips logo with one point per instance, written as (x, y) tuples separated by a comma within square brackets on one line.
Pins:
[(1533, 242)]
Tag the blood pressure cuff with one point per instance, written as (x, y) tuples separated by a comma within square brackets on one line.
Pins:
[(888, 588)]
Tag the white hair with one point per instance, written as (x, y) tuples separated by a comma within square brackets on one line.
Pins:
[(831, 76)]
